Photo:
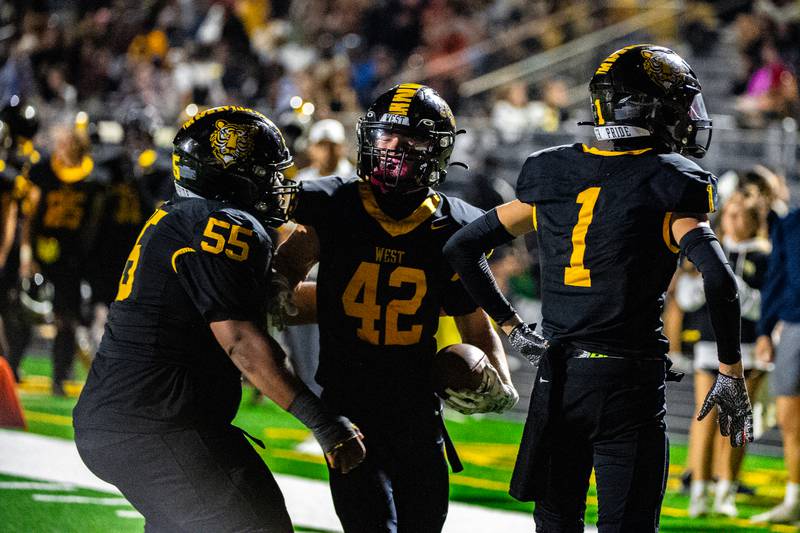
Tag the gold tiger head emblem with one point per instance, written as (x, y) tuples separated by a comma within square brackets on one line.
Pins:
[(231, 142), (663, 68)]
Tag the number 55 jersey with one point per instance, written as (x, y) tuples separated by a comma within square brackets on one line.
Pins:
[(603, 222), (159, 366), (381, 287)]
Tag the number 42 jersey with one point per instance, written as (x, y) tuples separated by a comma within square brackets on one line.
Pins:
[(603, 222), (381, 287)]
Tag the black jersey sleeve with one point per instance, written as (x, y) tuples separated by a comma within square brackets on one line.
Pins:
[(315, 199), (526, 182), (225, 269), (682, 186), (456, 300)]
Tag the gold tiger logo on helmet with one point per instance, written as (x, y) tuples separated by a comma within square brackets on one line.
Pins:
[(231, 142), (663, 68)]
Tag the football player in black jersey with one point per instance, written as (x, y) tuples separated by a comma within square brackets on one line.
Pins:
[(381, 287), (610, 226), (65, 207), (154, 417), (19, 122)]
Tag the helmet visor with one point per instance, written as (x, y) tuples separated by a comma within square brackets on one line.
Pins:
[(699, 128)]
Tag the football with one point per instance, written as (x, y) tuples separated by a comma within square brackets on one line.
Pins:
[(457, 367)]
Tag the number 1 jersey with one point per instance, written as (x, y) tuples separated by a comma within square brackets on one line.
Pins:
[(607, 255)]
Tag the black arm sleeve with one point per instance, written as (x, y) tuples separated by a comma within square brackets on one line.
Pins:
[(702, 248), (465, 252)]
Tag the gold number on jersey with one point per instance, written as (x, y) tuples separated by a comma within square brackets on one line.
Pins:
[(576, 274), (235, 248), (360, 301), (64, 209), (129, 272), (365, 283)]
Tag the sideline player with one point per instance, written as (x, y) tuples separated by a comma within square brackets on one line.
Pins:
[(608, 225), (154, 417), (381, 286)]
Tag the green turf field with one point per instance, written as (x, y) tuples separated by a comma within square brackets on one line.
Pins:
[(487, 446)]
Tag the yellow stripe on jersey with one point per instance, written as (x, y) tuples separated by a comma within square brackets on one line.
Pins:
[(666, 233), (179, 253), (712, 207), (610, 153), (397, 227), (72, 174)]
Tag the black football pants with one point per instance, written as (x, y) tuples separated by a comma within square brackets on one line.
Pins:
[(402, 486), (189, 480), (611, 418)]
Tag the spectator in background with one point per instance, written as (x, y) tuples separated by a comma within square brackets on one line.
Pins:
[(743, 232), (326, 152), (771, 91), (515, 116), (779, 303)]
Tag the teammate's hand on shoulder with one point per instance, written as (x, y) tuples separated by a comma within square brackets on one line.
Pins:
[(348, 454), (281, 301), (529, 343), (735, 417)]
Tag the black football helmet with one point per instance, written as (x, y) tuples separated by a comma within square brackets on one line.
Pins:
[(405, 139), (235, 154), (18, 118), (645, 90)]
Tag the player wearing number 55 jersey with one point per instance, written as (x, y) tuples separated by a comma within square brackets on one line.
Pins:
[(610, 225), (381, 287), (155, 415)]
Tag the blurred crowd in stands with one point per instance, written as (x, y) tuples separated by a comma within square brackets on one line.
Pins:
[(92, 93)]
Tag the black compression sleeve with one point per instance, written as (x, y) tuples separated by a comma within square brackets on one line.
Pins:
[(703, 249), (465, 252)]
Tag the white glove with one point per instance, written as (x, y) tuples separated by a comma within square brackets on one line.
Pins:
[(281, 301), (493, 396)]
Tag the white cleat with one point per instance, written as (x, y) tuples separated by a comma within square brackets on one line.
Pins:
[(725, 504), (780, 514), (698, 506)]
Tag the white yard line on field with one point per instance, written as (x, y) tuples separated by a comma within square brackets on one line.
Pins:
[(35, 485), (309, 501), (61, 498)]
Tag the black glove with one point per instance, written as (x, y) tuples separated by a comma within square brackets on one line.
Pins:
[(729, 394), (528, 342)]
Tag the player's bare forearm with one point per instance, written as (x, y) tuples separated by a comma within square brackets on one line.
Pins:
[(262, 361), (297, 255), (476, 329), (305, 299), (9, 227), (736, 370)]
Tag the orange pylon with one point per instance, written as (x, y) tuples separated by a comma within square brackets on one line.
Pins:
[(10, 409)]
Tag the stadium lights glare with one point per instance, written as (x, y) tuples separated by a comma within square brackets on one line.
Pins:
[(308, 108), (192, 109), (295, 102)]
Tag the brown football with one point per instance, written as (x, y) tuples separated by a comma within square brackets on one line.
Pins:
[(458, 366)]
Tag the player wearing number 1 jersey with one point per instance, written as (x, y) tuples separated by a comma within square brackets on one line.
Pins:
[(610, 225), (381, 287), (155, 415)]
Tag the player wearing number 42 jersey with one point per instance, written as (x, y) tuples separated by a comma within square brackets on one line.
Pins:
[(610, 225), (381, 287), (155, 415)]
